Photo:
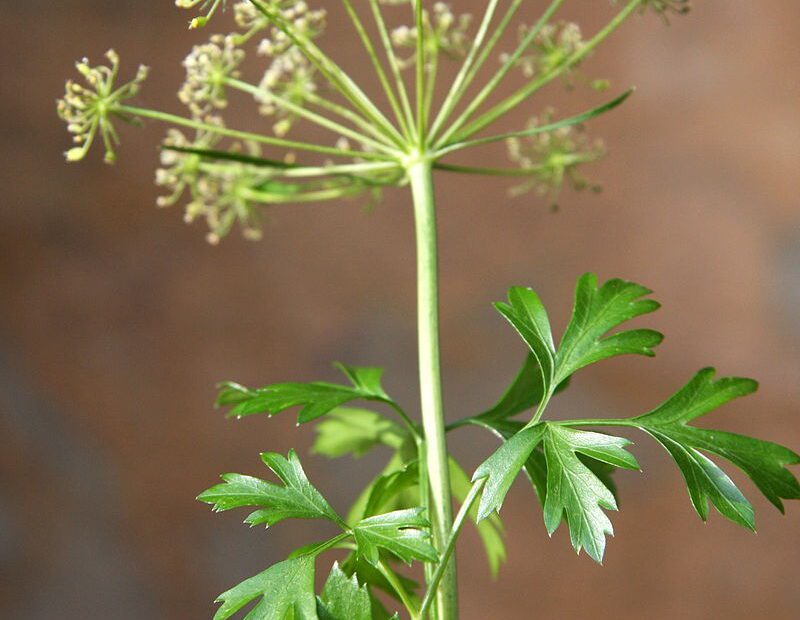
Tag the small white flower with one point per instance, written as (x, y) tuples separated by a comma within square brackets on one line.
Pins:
[(88, 109), (550, 48), (208, 67)]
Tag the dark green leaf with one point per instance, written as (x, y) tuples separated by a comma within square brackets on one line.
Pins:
[(490, 530), (343, 598), (502, 468), (285, 588), (528, 316), (355, 431), (574, 491), (315, 399), (404, 533), (297, 499), (763, 461), (596, 312)]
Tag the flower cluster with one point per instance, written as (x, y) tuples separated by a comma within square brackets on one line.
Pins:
[(553, 158), (290, 76), (208, 68), (445, 32), (217, 191), (88, 109), (551, 48)]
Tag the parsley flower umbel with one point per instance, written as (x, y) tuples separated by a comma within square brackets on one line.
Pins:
[(88, 109), (208, 67), (554, 158), (550, 48)]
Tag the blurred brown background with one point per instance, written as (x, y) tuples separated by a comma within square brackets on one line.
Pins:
[(116, 320)]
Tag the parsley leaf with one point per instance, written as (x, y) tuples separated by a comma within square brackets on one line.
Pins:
[(343, 598), (596, 312), (402, 533), (286, 588), (315, 399), (502, 467), (763, 461), (347, 430), (527, 315), (298, 499), (575, 491)]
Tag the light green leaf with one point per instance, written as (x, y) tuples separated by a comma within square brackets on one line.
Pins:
[(315, 399), (577, 493), (343, 598), (285, 588), (353, 431), (528, 316), (596, 312), (502, 467), (763, 461), (404, 533), (490, 530), (297, 499)]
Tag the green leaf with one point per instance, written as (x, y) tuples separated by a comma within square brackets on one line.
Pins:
[(315, 399), (297, 499), (343, 598), (490, 530), (577, 493), (402, 533), (528, 316), (285, 588), (355, 431), (763, 461), (596, 312), (368, 574), (502, 467)]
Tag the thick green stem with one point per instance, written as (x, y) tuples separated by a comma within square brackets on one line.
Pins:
[(441, 512)]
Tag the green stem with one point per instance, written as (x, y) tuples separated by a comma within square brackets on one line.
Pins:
[(376, 63), (450, 548), (440, 513), (313, 117), (596, 422), (397, 586), (422, 122), (526, 91), (498, 77), (243, 135), (394, 65)]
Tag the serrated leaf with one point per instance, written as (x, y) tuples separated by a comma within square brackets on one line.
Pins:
[(315, 399), (596, 312), (502, 467), (763, 461), (536, 465), (343, 598), (527, 315), (490, 530), (403, 533), (297, 499), (353, 431), (284, 588), (577, 493)]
